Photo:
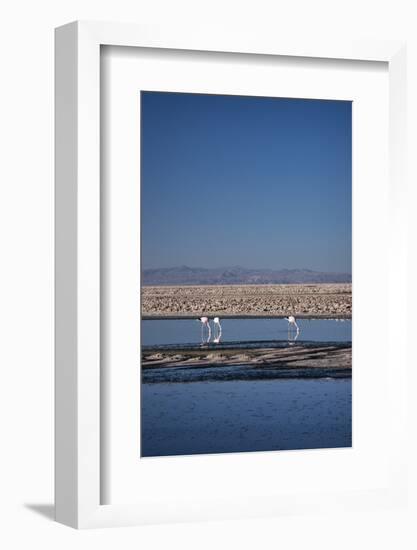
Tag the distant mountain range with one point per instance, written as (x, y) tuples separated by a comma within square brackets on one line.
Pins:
[(185, 275)]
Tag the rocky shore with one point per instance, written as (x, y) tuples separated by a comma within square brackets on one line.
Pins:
[(301, 300), (300, 361)]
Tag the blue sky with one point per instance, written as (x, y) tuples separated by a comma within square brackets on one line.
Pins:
[(248, 181)]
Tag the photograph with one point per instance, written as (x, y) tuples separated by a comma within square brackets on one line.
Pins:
[(246, 274)]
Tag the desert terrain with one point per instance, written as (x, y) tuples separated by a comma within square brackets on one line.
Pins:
[(322, 300)]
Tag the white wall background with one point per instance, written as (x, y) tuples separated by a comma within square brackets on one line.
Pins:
[(26, 269)]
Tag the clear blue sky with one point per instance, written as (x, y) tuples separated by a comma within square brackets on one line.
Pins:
[(248, 181)]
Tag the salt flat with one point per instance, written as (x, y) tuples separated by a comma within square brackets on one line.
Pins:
[(292, 361), (331, 300)]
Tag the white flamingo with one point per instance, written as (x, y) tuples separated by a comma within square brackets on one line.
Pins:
[(205, 322), (292, 322), (218, 330)]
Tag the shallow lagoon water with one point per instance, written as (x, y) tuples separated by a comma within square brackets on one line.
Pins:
[(203, 417), (188, 331), (225, 417)]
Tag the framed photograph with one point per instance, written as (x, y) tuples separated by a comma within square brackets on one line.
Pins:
[(229, 258)]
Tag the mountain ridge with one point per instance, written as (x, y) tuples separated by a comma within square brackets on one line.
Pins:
[(186, 275)]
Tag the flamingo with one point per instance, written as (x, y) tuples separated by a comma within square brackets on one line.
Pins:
[(291, 321), (218, 330), (205, 322), (292, 337)]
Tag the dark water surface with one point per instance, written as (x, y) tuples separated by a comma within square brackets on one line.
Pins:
[(184, 416), (225, 417)]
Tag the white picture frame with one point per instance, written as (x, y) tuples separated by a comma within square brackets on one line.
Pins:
[(78, 265)]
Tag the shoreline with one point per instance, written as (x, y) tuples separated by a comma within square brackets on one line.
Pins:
[(186, 316), (295, 359)]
